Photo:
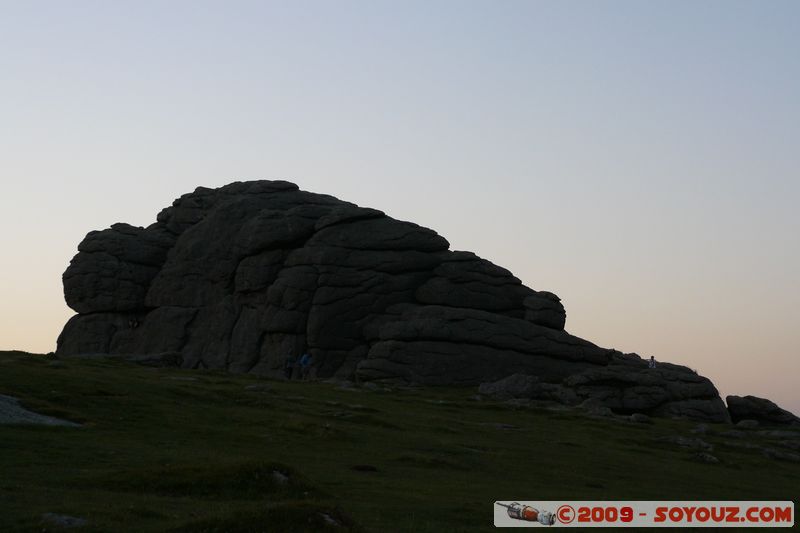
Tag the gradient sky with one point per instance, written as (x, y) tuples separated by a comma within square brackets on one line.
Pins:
[(639, 159)]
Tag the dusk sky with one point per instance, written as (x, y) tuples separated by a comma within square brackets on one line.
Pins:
[(639, 159)]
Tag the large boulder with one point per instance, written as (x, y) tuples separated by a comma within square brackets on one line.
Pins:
[(668, 390), (240, 277), (759, 409), (623, 389)]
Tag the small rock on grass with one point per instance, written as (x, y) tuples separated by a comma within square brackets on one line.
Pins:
[(779, 434), (686, 442), (279, 477), (258, 387), (330, 520), (11, 412), (734, 434), (705, 458), (741, 445), (781, 455), (64, 521), (594, 408)]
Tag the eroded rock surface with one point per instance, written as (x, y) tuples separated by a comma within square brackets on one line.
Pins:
[(624, 389), (759, 409), (239, 277)]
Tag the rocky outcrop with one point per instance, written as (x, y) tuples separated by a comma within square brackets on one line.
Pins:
[(239, 277), (760, 410), (523, 386), (668, 390), (624, 389)]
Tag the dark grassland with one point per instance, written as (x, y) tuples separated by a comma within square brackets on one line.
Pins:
[(177, 450)]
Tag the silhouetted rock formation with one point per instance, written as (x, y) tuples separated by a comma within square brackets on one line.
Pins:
[(669, 390), (239, 277), (760, 410)]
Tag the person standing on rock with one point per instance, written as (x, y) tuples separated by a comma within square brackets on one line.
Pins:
[(288, 365), (305, 365), (652, 362)]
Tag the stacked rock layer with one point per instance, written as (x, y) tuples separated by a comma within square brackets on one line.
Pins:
[(240, 277)]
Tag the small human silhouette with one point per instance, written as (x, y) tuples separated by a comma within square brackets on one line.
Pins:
[(305, 365)]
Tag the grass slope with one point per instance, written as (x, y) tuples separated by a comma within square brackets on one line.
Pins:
[(176, 450)]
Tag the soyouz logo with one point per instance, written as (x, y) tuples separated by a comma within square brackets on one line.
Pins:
[(644, 514)]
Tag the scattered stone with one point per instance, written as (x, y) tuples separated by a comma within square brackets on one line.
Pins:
[(699, 429), (525, 387), (705, 458), (438, 402), (513, 386), (640, 418), (557, 393), (344, 384), (279, 477), (519, 403), (742, 445), (734, 434), (64, 521), (11, 412), (770, 453), (779, 434), (330, 520), (258, 387), (686, 442), (556, 408), (747, 424), (594, 407), (781, 455)]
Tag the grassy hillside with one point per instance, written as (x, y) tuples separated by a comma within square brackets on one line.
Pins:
[(176, 450)]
